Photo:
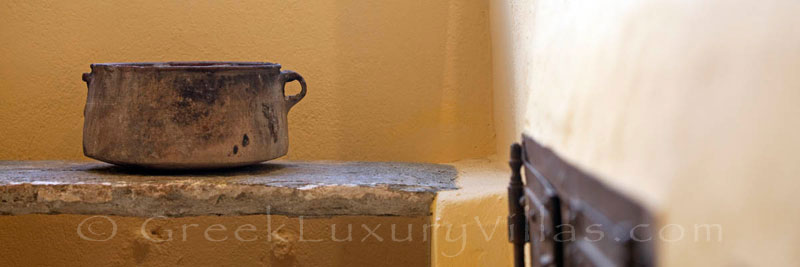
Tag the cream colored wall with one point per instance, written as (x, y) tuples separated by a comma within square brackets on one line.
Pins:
[(689, 106), (388, 80), (512, 31)]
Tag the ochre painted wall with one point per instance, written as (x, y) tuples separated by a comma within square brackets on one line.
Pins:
[(470, 224), (388, 80), (256, 240), (691, 107)]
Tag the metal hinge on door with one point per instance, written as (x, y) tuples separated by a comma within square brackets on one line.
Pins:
[(571, 218)]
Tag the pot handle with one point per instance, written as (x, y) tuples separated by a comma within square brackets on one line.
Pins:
[(289, 76), (87, 77)]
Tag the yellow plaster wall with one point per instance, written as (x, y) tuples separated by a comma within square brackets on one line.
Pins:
[(691, 107), (80, 240), (388, 80), (470, 224)]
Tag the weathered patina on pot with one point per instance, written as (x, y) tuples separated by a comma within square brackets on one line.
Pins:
[(184, 115)]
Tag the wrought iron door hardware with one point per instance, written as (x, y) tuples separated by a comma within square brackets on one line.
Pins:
[(572, 218)]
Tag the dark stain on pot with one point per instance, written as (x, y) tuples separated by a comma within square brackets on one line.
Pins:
[(235, 149), (199, 90), (272, 120), (196, 97), (245, 140)]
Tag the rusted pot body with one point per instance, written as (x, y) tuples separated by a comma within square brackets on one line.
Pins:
[(187, 115)]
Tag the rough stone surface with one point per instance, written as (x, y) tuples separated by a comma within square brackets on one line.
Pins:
[(286, 188)]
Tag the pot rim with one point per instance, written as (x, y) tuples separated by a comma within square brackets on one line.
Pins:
[(189, 65)]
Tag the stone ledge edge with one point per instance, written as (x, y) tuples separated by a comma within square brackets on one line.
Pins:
[(181, 199)]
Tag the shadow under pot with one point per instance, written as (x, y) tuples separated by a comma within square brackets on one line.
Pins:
[(187, 115)]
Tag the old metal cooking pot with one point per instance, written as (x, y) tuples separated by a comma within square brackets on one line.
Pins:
[(183, 115)]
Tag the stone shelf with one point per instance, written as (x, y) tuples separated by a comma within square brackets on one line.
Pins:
[(281, 187)]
